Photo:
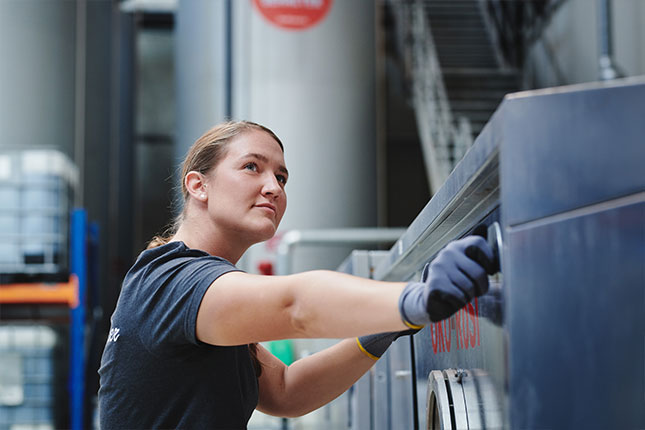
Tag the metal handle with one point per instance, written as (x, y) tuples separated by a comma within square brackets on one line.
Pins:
[(400, 374), (494, 237)]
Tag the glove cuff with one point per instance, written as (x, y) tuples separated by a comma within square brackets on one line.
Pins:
[(413, 326), (375, 345), (366, 352), (412, 305)]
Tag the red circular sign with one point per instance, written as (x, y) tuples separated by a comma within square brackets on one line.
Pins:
[(294, 14)]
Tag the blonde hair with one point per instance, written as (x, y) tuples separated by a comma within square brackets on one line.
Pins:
[(203, 156)]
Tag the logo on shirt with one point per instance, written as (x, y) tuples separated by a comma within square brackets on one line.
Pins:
[(114, 335)]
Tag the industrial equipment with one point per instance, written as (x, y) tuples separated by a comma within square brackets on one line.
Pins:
[(558, 340)]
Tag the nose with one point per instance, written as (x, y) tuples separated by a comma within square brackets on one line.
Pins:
[(271, 187)]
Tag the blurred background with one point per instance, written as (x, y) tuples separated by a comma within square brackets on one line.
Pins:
[(375, 102)]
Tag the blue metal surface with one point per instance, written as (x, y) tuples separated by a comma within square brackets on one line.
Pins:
[(572, 193), (569, 147), (576, 320), (78, 266)]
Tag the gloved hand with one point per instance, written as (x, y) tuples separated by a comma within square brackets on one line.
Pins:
[(375, 345), (448, 283)]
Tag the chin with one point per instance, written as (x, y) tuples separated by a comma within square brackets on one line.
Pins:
[(266, 233)]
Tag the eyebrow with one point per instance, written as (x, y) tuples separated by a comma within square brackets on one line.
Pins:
[(264, 159)]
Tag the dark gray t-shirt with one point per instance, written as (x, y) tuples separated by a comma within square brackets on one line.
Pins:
[(154, 372)]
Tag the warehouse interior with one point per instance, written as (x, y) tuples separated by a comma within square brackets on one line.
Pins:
[(376, 103)]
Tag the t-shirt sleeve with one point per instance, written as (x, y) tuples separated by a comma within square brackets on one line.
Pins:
[(175, 292)]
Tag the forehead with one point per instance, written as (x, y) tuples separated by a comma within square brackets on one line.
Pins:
[(255, 142)]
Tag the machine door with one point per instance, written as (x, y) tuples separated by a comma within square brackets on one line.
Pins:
[(461, 399)]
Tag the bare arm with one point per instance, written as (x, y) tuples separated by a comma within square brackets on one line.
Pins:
[(240, 308), (311, 382)]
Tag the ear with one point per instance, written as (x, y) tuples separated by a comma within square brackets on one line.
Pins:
[(196, 185)]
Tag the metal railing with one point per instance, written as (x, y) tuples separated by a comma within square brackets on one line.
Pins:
[(444, 140), (331, 236)]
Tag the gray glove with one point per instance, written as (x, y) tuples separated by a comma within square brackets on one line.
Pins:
[(375, 345), (448, 283)]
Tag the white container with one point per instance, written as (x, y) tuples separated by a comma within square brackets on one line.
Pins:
[(28, 380), (36, 192)]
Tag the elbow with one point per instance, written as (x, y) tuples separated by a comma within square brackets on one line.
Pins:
[(300, 307), (302, 319), (299, 320)]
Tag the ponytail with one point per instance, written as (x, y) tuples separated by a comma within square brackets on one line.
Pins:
[(168, 233), (158, 241), (257, 366)]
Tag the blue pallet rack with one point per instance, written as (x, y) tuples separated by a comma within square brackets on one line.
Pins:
[(79, 234), (73, 294)]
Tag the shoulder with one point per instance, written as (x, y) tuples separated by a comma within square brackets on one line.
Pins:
[(176, 255), (162, 292), (172, 271)]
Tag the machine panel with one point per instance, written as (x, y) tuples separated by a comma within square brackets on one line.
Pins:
[(576, 320), (558, 341), (569, 147)]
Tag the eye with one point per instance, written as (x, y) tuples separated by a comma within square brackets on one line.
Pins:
[(251, 166), (282, 179)]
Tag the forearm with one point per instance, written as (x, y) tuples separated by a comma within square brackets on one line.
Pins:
[(314, 381), (335, 305)]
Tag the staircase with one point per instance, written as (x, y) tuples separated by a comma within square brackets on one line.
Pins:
[(470, 63), (460, 34), (475, 93), (460, 58)]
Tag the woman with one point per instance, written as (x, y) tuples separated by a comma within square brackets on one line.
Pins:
[(183, 348)]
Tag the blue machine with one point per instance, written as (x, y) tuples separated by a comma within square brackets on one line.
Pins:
[(558, 176)]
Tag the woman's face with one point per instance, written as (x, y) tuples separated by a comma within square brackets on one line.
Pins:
[(245, 191)]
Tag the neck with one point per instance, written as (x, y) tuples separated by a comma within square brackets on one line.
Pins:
[(204, 236)]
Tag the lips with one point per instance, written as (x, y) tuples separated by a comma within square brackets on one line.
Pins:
[(267, 206)]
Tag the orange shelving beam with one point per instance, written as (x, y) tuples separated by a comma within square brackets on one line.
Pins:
[(41, 293)]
